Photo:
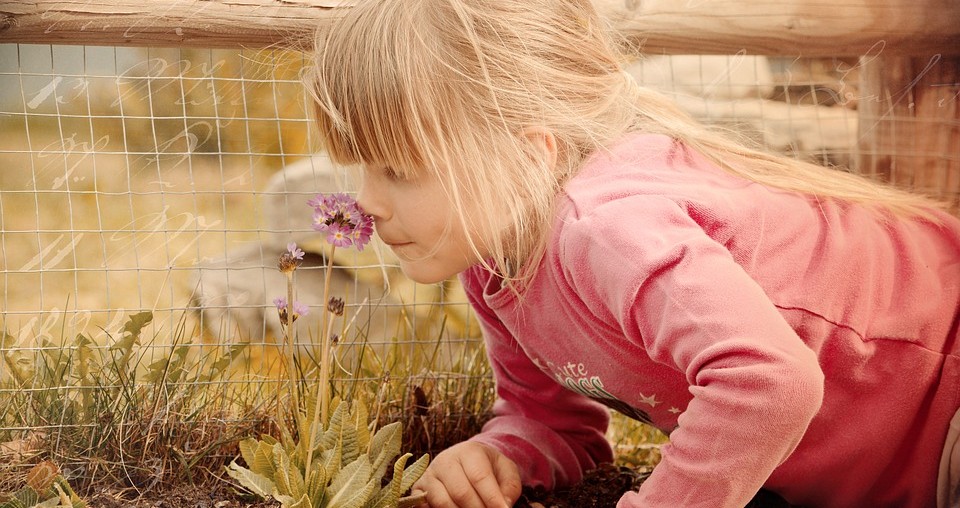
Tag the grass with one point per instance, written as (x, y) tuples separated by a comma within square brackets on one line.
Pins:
[(115, 417)]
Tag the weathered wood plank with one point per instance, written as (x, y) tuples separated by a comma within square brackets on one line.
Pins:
[(798, 27), (910, 123)]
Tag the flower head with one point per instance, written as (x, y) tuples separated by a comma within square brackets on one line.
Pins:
[(335, 305), (290, 260), (299, 309), (295, 251), (339, 216)]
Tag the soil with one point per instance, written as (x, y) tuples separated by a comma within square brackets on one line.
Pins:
[(218, 495), (604, 486), (601, 488)]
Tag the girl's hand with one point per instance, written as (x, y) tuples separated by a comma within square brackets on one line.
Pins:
[(470, 475)]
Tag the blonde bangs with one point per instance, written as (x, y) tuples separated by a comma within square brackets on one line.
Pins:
[(368, 93)]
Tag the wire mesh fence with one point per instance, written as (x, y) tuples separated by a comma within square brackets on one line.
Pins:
[(145, 198), (154, 178), (134, 178), (169, 181)]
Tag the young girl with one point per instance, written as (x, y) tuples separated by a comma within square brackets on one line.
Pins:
[(791, 327)]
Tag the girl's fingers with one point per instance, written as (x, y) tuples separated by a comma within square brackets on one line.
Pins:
[(484, 481), (470, 475), (451, 489), (508, 478)]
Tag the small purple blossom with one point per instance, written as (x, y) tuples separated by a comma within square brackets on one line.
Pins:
[(299, 309), (290, 260), (340, 217), (339, 235), (294, 251)]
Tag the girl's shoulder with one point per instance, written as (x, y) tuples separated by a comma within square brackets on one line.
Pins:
[(652, 169)]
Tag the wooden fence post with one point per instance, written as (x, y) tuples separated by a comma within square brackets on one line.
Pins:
[(910, 123)]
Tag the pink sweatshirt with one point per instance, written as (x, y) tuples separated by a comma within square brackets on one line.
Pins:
[(806, 347)]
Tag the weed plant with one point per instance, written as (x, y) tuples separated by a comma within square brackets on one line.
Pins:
[(147, 409), (112, 419)]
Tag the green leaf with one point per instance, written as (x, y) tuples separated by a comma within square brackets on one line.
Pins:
[(53, 502), (332, 435), (258, 484), (288, 477), (67, 495), (7, 341), (156, 370), (317, 484), (132, 329), (386, 445), (291, 502), (349, 442), (361, 418), (26, 497), (307, 433), (332, 461), (414, 471), (221, 364), (303, 502), (412, 500), (286, 438), (263, 463), (390, 495), (248, 450), (84, 352), (352, 485)]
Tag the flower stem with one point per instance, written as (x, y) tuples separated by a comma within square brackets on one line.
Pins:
[(325, 352), (323, 388), (288, 343)]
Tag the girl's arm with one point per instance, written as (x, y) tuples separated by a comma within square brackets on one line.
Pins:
[(672, 289), (551, 433)]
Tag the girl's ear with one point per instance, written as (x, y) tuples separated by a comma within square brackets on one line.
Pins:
[(542, 145)]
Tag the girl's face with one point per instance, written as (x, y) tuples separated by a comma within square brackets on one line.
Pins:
[(416, 219)]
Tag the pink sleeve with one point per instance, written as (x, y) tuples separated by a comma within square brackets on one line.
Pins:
[(756, 386), (552, 433)]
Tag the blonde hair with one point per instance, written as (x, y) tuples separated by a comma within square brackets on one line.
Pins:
[(451, 85)]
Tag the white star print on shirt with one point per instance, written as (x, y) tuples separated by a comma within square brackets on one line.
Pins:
[(650, 401)]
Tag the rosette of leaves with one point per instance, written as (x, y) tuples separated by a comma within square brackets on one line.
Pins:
[(349, 465), (46, 488)]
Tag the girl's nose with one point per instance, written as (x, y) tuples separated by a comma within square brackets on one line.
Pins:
[(371, 200)]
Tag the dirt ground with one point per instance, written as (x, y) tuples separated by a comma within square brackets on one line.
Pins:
[(604, 486), (220, 495), (601, 488)]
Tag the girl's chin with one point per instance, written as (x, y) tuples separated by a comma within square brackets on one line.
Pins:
[(422, 272)]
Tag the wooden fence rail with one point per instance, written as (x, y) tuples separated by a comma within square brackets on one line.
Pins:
[(909, 119), (807, 28)]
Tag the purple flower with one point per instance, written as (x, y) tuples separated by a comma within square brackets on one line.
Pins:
[(339, 216), (363, 231), (300, 309), (339, 235), (294, 251), (290, 260)]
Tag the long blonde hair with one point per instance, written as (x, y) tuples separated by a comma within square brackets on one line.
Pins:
[(450, 86)]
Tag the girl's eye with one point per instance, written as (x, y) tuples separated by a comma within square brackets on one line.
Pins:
[(391, 174), (388, 173)]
